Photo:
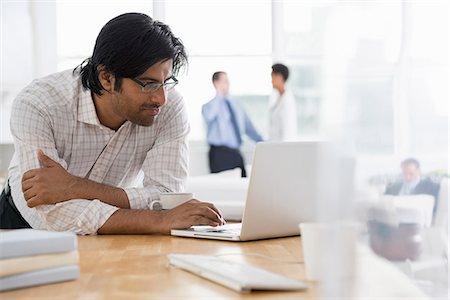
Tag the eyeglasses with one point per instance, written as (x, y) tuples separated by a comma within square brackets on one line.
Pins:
[(153, 87)]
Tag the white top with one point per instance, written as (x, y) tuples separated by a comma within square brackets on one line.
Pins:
[(56, 115), (283, 116)]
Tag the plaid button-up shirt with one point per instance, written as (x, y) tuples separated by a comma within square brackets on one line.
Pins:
[(56, 115)]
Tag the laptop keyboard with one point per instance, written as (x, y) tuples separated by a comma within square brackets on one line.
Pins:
[(237, 276), (234, 229)]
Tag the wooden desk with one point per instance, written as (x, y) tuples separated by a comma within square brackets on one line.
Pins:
[(135, 267)]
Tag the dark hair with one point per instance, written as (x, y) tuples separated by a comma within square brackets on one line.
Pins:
[(281, 69), (411, 161), (127, 46), (216, 75)]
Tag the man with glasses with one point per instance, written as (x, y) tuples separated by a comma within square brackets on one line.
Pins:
[(82, 137)]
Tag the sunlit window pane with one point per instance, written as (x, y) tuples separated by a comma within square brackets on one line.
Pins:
[(303, 26), (430, 26), (79, 23), (222, 27)]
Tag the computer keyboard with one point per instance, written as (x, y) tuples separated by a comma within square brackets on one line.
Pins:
[(234, 228), (237, 276)]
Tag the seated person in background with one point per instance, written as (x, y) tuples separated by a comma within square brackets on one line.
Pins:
[(412, 183), (82, 136), (226, 122)]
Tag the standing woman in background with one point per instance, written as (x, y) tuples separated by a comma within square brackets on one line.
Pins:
[(283, 110)]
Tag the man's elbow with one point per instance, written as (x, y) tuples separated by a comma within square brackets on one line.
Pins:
[(55, 222)]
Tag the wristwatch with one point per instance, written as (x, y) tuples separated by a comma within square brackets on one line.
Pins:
[(156, 205)]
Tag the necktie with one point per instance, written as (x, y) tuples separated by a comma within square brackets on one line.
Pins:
[(234, 122)]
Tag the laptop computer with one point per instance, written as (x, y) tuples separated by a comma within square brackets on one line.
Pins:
[(282, 193)]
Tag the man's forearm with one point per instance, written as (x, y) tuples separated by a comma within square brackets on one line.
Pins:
[(126, 221), (190, 213), (88, 189)]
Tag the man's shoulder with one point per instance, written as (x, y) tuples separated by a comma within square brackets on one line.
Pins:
[(212, 102), (58, 89), (289, 96), (428, 183), (174, 105), (64, 80), (174, 100), (427, 186)]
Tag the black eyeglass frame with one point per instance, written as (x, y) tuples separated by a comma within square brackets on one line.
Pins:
[(152, 87)]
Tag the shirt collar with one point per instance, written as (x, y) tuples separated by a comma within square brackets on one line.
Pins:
[(86, 109), (222, 97)]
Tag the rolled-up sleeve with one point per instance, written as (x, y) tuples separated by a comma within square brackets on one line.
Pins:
[(31, 127)]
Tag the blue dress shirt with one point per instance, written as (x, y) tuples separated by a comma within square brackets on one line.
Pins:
[(220, 129)]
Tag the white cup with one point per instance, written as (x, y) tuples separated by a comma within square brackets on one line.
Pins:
[(311, 242), (171, 200), (328, 249)]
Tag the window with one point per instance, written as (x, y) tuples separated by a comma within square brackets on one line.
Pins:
[(380, 67), (427, 96), (222, 27), (229, 36), (360, 70), (78, 26), (303, 25)]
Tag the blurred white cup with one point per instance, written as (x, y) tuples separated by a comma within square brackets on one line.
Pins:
[(311, 242), (328, 249), (170, 200)]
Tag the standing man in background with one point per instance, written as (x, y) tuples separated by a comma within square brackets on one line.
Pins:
[(283, 110), (226, 122)]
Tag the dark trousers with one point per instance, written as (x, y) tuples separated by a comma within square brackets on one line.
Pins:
[(223, 158), (10, 217)]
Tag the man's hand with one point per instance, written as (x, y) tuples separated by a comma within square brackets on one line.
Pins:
[(47, 185), (190, 213)]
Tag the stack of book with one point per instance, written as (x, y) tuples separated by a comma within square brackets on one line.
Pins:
[(31, 257)]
